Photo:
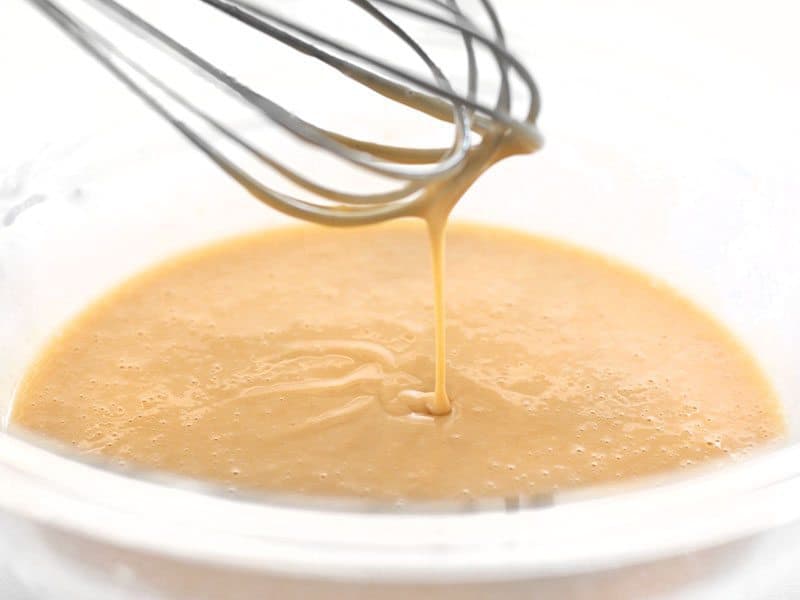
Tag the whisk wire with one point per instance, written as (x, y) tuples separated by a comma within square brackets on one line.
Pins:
[(291, 123), (415, 167)]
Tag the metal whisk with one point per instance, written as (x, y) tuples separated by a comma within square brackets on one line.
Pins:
[(414, 169)]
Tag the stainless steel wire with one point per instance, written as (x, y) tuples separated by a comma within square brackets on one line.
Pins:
[(413, 168)]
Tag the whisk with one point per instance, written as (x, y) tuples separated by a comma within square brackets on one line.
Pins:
[(412, 170)]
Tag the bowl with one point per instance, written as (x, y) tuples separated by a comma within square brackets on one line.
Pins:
[(670, 146)]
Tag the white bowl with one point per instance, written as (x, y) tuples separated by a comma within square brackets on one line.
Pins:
[(670, 146)]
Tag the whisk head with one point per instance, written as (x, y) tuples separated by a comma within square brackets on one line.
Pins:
[(164, 69)]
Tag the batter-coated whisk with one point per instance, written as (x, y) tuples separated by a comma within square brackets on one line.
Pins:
[(413, 170)]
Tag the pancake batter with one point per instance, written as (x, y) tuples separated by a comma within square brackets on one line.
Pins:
[(300, 360)]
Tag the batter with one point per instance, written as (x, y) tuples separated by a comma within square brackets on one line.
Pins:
[(302, 360)]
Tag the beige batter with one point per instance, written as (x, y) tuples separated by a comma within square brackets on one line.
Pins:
[(300, 360)]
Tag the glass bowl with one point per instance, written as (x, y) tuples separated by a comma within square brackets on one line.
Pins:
[(669, 148)]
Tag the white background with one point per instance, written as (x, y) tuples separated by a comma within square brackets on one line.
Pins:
[(736, 63)]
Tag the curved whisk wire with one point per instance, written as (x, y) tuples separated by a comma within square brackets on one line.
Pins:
[(413, 168)]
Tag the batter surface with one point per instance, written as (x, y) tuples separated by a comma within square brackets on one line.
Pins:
[(296, 361)]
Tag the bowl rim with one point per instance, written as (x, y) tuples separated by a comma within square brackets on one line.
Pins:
[(583, 534)]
